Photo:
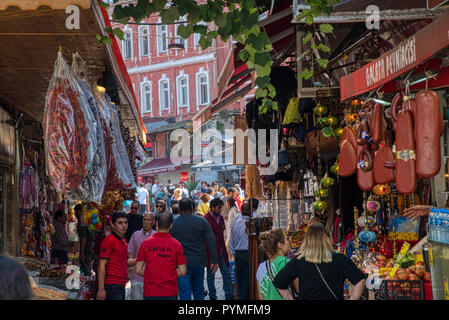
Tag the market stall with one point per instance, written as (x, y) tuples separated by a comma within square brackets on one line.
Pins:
[(75, 130)]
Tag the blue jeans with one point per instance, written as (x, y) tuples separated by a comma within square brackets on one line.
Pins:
[(192, 282), (227, 282)]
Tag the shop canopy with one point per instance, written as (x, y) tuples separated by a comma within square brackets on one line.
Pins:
[(415, 51), (32, 32), (163, 165), (210, 165)]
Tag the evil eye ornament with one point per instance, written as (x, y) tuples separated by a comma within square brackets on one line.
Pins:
[(367, 236), (372, 206)]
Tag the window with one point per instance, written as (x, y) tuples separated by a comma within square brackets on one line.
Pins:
[(164, 94), (180, 39), (144, 42), (183, 91), (202, 81), (197, 36), (146, 98), (127, 45), (162, 38)]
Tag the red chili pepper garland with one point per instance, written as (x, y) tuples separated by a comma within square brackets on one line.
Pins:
[(65, 136)]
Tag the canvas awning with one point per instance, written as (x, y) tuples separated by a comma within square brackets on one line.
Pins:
[(163, 165), (31, 33), (210, 165)]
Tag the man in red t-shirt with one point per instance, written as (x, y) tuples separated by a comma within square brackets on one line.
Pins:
[(160, 261), (113, 261)]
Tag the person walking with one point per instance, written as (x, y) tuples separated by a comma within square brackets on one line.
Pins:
[(276, 246), (143, 197), (232, 211), (60, 243), (217, 224), (321, 270), (203, 204), (229, 194), (161, 261), (177, 194), (239, 248), (87, 241), (217, 193), (155, 187), (170, 188), (135, 220), (184, 191), (113, 261), (136, 241), (193, 232), (227, 185)]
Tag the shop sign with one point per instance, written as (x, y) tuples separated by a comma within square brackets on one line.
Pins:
[(407, 55), (7, 139)]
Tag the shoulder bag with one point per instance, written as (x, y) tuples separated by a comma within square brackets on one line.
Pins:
[(271, 276), (322, 278)]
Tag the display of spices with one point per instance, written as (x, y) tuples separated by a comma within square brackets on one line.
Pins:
[(65, 131)]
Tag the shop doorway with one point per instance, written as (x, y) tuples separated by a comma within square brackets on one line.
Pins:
[(2, 210)]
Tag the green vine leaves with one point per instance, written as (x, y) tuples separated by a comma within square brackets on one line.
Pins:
[(212, 19), (317, 8)]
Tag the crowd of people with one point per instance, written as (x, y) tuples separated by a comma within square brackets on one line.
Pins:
[(168, 248)]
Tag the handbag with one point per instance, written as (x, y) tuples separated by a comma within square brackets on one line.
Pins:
[(292, 112), (271, 276), (322, 278)]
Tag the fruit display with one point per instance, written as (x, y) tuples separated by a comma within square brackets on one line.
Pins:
[(296, 238)]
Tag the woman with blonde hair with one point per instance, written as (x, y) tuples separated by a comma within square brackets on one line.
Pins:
[(203, 206), (223, 191), (276, 246), (177, 194), (320, 269)]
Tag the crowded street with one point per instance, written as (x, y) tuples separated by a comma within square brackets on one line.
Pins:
[(237, 152)]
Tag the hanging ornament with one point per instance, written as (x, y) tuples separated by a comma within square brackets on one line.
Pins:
[(327, 132), (332, 121), (338, 132), (320, 205), (322, 193), (327, 182), (320, 110), (382, 190), (334, 169)]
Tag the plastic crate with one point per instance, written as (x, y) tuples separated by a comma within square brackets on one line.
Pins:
[(397, 290), (402, 290)]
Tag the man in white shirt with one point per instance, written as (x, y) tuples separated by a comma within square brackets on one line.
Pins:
[(185, 192), (143, 197), (155, 188)]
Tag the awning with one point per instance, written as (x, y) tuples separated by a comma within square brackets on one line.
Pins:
[(31, 33), (409, 54), (162, 165), (209, 165)]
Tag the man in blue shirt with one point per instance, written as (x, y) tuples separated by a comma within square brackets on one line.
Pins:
[(193, 232), (239, 248)]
